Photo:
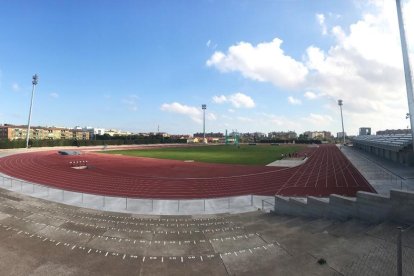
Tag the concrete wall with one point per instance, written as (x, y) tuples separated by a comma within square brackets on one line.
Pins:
[(399, 207)]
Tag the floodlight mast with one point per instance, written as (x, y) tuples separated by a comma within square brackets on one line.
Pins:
[(35, 80), (407, 69), (342, 120), (204, 106)]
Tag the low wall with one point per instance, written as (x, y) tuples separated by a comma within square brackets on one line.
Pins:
[(398, 207)]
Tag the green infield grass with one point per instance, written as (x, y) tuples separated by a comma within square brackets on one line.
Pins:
[(226, 154)]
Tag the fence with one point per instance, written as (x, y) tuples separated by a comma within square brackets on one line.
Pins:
[(232, 204)]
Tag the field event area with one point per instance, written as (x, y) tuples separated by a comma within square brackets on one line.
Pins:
[(224, 154)]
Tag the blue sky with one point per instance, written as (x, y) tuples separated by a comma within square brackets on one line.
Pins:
[(258, 65)]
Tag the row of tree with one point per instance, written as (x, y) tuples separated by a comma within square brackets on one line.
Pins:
[(100, 140)]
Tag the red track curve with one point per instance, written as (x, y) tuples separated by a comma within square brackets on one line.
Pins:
[(327, 171)]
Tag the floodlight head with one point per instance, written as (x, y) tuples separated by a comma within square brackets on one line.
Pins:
[(35, 79), (204, 106), (339, 102)]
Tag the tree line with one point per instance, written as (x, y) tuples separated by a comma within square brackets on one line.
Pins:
[(99, 140)]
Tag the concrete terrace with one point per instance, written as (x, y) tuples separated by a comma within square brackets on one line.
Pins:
[(44, 238)]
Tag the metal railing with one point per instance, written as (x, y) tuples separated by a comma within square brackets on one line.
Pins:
[(266, 203)]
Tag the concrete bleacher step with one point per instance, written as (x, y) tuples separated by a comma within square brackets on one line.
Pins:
[(366, 206), (259, 244)]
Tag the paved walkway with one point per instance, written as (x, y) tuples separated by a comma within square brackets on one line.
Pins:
[(382, 174)]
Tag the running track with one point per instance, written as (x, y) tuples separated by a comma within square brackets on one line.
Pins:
[(326, 172)]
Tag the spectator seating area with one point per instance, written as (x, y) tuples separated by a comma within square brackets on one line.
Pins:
[(394, 142)]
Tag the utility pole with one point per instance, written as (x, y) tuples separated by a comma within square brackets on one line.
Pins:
[(34, 83), (342, 120), (407, 69), (204, 107)]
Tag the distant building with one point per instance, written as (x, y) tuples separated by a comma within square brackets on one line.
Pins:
[(92, 131), (394, 131), (257, 135), (115, 132), (281, 135), (211, 137), (318, 135), (340, 134), (19, 132), (364, 131), (210, 134), (180, 136), (251, 137)]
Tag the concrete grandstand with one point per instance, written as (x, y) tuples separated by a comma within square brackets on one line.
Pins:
[(394, 147)]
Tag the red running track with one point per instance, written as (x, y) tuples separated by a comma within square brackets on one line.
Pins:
[(326, 172)]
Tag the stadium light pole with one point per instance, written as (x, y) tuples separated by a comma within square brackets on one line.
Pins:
[(407, 68), (35, 80), (204, 107), (342, 120)]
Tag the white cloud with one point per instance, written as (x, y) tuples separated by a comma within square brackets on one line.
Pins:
[(211, 117), (15, 87), (245, 119), (364, 68), (279, 122), (294, 101), (131, 102), (310, 95), (219, 99), (54, 95), (209, 44), (265, 62), (318, 121), (193, 112), (321, 20), (238, 100), (241, 100)]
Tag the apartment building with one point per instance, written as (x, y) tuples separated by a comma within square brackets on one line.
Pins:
[(17, 132)]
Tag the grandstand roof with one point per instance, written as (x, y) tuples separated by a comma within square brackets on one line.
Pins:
[(393, 142)]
